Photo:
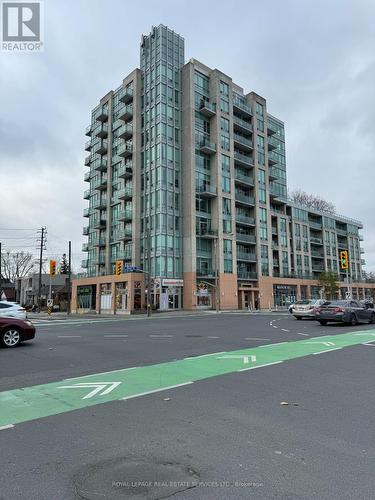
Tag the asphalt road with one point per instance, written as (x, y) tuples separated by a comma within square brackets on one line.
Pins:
[(224, 437)]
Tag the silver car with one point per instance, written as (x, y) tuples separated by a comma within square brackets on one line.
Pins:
[(306, 308)]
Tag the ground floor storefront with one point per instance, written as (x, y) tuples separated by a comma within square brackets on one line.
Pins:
[(127, 293)]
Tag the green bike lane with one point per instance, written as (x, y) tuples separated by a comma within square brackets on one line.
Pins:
[(30, 403)]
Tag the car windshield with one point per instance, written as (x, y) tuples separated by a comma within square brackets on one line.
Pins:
[(338, 303), (303, 302)]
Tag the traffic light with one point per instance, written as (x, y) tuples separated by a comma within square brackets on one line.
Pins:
[(118, 267), (52, 268), (344, 263)]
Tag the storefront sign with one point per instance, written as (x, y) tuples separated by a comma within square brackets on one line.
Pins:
[(173, 282)]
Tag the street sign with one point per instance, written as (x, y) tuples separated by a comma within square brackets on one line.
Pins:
[(49, 302)]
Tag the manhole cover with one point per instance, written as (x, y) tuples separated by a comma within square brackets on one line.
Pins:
[(193, 335), (133, 479)]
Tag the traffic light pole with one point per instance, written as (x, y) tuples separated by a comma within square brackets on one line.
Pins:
[(40, 268)]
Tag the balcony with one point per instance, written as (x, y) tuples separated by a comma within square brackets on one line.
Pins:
[(206, 232), (316, 225), (85, 231), (276, 195), (88, 160), (246, 275), (100, 165), (87, 176), (125, 131), (88, 145), (99, 242), (341, 232), (84, 263), (317, 255), (125, 215), (275, 263), (243, 142), (86, 194), (102, 131), (85, 247), (247, 180), (122, 255), (124, 234), (86, 212), (207, 147), (125, 150), (343, 245), (102, 115), (100, 204), (272, 174), (271, 129), (360, 236), (362, 250), (125, 171), (126, 113), (245, 238), (246, 256), (272, 143), (317, 267), (272, 160), (100, 184), (242, 125), (124, 194), (245, 219), (206, 191), (241, 107), (244, 199), (205, 272), (88, 131), (101, 147), (316, 241), (125, 95), (363, 262), (207, 108), (243, 160)]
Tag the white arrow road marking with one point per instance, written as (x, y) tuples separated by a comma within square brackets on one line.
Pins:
[(99, 386), (327, 343), (240, 356)]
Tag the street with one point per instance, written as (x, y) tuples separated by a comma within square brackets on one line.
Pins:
[(212, 406)]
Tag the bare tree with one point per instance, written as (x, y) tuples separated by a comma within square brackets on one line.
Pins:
[(312, 201), (16, 265)]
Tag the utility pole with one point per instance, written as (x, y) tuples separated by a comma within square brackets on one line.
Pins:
[(42, 231), (148, 270), (69, 276)]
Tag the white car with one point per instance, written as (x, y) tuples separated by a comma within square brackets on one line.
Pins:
[(306, 308), (12, 310)]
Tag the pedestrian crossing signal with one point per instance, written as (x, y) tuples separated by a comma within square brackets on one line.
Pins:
[(118, 267), (52, 268), (344, 259)]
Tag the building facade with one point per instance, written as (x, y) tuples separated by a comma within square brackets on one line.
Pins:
[(188, 185)]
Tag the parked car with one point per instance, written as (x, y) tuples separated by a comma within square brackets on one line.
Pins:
[(306, 308), (13, 331), (350, 312), (12, 310)]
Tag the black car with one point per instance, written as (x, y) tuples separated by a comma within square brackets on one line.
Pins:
[(14, 331), (350, 312)]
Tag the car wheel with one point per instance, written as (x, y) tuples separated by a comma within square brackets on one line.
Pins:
[(322, 322), (372, 319), (298, 317), (10, 337), (353, 320)]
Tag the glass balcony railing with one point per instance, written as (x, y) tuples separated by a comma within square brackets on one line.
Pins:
[(241, 106), (244, 179), (244, 198), (245, 219), (243, 141), (247, 256), (242, 124), (207, 108), (243, 159), (245, 238), (125, 95), (246, 275)]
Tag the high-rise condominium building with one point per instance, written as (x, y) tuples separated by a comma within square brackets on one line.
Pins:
[(188, 184)]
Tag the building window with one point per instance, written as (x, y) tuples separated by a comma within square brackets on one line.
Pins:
[(224, 89), (260, 125), (259, 109), (262, 195), (260, 143), (228, 264), (225, 173), (224, 106)]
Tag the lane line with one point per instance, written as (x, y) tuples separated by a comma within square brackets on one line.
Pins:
[(305, 334), (69, 336), (116, 336), (274, 326), (155, 390), (254, 338), (284, 330), (204, 355), (260, 366), (160, 336), (270, 345), (328, 350), (9, 426), (213, 337)]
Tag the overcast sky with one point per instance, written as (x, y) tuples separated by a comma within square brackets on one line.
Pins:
[(314, 62)]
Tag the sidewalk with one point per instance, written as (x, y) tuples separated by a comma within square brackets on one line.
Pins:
[(60, 316)]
